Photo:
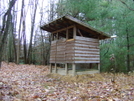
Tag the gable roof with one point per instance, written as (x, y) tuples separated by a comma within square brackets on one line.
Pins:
[(67, 21)]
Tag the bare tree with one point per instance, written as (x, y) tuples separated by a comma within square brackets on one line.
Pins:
[(21, 18), (5, 27), (35, 3), (126, 5)]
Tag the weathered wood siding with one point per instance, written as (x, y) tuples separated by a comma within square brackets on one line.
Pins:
[(86, 50), (57, 53), (79, 50)]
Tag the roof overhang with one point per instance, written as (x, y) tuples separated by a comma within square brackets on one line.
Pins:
[(67, 21)]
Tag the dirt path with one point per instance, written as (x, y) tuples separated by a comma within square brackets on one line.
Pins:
[(30, 83)]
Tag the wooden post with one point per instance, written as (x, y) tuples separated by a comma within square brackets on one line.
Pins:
[(66, 66), (67, 37), (50, 68), (99, 67), (52, 37), (55, 68), (74, 32), (66, 69), (74, 69), (90, 65), (57, 36)]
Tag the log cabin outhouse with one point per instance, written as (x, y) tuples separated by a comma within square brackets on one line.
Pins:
[(73, 43)]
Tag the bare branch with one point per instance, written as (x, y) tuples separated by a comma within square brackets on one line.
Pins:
[(126, 5)]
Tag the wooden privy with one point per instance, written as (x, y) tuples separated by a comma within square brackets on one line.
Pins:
[(73, 44)]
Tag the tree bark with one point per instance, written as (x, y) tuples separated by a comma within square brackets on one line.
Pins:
[(128, 48), (18, 47), (32, 32), (5, 27), (24, 43)]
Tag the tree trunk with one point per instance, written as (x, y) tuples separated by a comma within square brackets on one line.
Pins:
[(5, 27), (32, 32), (18, 47), (24, 43), (128, 48)]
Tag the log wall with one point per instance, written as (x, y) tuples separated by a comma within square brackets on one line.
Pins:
[(78, 50)]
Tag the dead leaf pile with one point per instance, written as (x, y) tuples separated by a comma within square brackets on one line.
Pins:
[(33, 83)]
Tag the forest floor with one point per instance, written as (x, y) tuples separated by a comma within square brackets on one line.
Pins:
[(33, 83)]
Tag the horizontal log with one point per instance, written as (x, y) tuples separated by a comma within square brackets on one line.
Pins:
[(86, 61), (69, 49), (57, 62), (61, 50), (57, 56), (67, 55), (70, 58), (58, 59), (54, 42), (82, 49), (60, 62), (62, 59), (84, 58), (86, 46), (52, 58), (75, 45), (84, 38), (63, 45), (82, 55), (59, 53), (86, 49), (87, 43), (70, 52), (53, 50), (70, 44), (86, 55), (64, 29), (89, 50), (70, 40), (53, 55), (86, 52), (53, 46), (75, 55)]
